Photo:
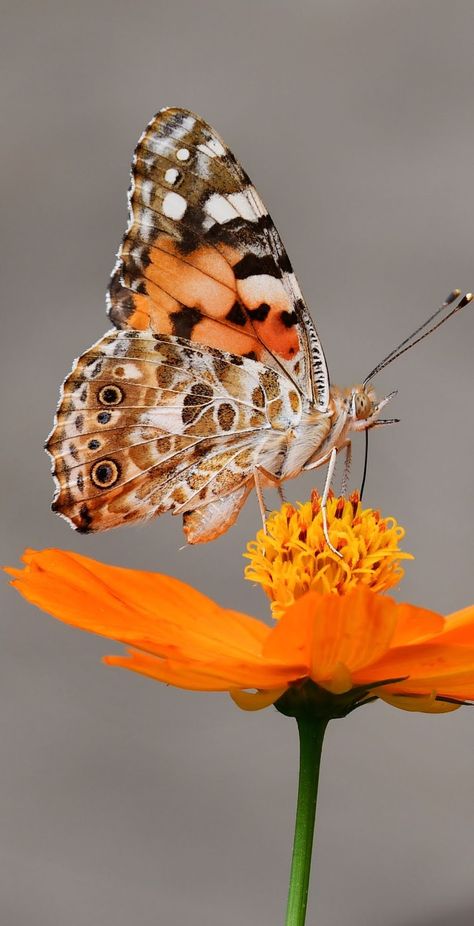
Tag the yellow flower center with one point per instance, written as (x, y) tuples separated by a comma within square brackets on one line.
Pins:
[(293, 557)]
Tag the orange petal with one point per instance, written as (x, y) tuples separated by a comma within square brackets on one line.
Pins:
[(415, 625), (459, 685), (423, 664), (133, 606), (330, 631), (203, 675), (256, 700), (459, 627), (426, 704), (172, 673)]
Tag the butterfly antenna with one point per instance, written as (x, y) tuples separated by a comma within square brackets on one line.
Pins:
[(416, 336), (366, 458)]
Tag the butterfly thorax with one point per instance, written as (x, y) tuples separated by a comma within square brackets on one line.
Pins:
[(300, 443), (351, 409)]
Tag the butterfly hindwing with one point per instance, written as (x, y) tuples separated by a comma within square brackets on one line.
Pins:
[(201, 258), (151, 423)]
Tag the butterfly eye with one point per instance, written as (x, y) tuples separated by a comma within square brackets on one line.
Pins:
[(362, 405), (110, 395), (105, 473)]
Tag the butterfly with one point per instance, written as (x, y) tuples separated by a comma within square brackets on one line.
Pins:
[(213, 380)]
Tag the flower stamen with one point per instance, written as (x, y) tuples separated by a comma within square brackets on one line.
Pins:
[(292, 557)]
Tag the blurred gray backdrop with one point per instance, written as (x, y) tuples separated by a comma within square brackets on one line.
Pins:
[(122, 801)]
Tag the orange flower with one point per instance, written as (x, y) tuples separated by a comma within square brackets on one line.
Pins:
[(328, 653)]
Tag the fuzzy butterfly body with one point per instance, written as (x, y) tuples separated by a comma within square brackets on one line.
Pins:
[(214, 379)]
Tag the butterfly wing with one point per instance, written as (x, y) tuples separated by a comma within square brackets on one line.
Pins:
[(201, 258), (152, 423)]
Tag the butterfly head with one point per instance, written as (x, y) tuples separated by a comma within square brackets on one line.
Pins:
[(362, 406)]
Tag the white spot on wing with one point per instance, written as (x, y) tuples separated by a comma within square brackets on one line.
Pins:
[(174, 206), (257, 203), (147, 217), (146, 191), (220, 209), (244, 206), (215, 145), (131, 371), (205, 150), (167, 418), (146, 220), (182, 154), (171, 175), (208, 222)]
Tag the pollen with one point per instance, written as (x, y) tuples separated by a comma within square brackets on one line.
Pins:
[(292, 557)]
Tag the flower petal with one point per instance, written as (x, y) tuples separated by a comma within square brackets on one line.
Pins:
[(133, 606), (256, 700), (425, 704), (457, 684), (172, 672), (459, 627), (415, 625), (326, 632), (428, 665), (199, 674)]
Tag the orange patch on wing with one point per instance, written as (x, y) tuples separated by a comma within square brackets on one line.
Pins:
[(161, 305), (264, 289), (144, 314), (204, 280), (206, 259), (224, 337), (185, 279)]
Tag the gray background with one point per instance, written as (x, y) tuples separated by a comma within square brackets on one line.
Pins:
[(122, 801)]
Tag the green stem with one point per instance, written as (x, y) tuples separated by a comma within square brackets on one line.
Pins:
[(311, 734)]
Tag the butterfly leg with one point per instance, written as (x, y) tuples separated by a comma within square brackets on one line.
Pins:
[(261, 503), (260, 473), (324, 499), (347, 467), (281, 494)]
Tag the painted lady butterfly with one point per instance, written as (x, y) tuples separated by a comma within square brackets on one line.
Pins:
[(215, 380)]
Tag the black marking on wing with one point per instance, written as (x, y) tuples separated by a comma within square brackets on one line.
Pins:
[(236, 314), (260, 313), (252, 265), (289, 318), (184, 321)]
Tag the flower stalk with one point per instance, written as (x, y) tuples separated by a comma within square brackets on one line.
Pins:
[(311, 735)]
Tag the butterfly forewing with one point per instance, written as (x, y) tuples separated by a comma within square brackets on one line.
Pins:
[(202, 260)]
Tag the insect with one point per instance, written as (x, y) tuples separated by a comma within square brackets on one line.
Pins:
[(213, 380)]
